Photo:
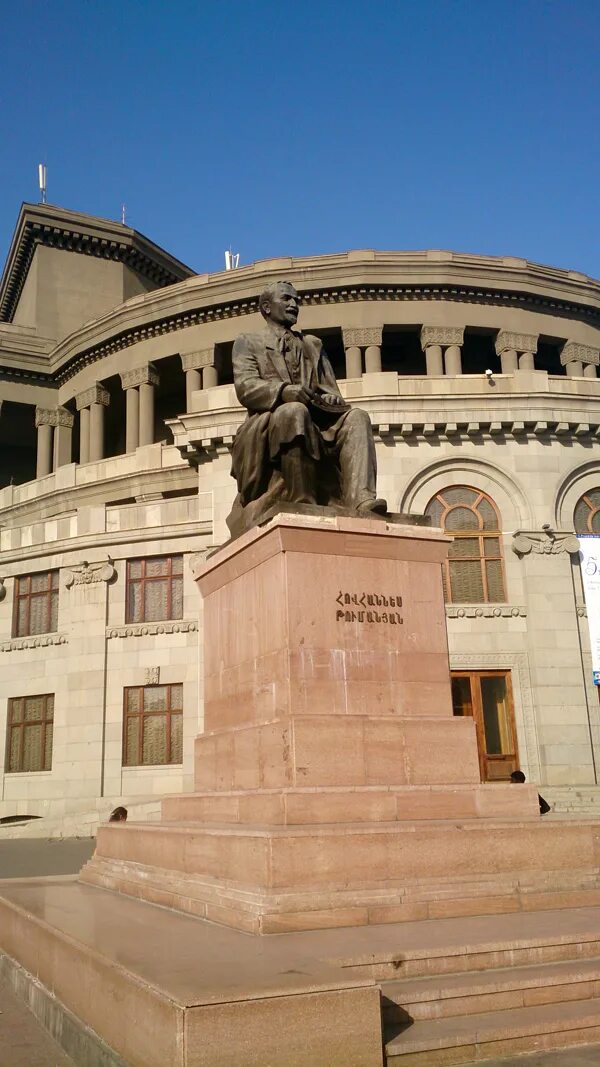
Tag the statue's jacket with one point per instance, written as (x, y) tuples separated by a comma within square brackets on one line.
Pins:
[(260, 373)]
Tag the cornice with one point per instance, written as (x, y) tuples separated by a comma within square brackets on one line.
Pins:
[(336, 279), (145, 629), (53, 227), (39, 641), (485, 611)]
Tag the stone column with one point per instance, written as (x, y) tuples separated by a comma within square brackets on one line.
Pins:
[(139, 385), (44, 420), (580, 360), (516, 351), (431, 345), (63, 437), (200, 372), (210, 377), (90, 405), (84, 435), (438, 339), (353, 353), (355, 340)]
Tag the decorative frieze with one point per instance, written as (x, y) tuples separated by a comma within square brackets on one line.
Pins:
[(147, 375), (573, 352), (441, 335), (89, 573), (150, 629), (95, 395), (54, 417), (197, 360), (506, 341), (544, 542), (39, 641), (362, 337), (485, 611)]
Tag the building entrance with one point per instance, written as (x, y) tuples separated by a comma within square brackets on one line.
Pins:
[(487, 697)]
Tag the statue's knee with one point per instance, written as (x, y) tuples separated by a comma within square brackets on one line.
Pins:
[(358, 418), (292, 414)]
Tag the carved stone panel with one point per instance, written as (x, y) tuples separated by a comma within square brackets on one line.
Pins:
[(441, 335), (96, 395), (362, 337), (88, 573), (197, 360), (507, 341), (147, 375), (544, 542), (584, 353)]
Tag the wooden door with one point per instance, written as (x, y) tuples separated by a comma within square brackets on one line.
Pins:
[(487, 697)]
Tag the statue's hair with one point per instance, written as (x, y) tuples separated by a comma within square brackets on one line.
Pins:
[(269, 292)]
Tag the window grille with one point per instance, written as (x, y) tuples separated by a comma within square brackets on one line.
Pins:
[(474, 571), (154, 589), (587, 513), (30, 730), (36, 604), (153, 725)]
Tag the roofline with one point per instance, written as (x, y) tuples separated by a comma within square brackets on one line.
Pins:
[(57, 227)]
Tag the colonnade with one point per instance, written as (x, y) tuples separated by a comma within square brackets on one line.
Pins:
[(441, 345)]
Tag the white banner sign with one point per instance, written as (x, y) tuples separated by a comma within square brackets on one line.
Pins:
[(590, 574)]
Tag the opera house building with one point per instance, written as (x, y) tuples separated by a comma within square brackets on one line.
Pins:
[(117, 417)]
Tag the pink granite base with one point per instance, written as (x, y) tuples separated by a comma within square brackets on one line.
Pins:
[(333, 784)]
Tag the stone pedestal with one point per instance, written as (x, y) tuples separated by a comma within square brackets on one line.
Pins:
[(334, 786)]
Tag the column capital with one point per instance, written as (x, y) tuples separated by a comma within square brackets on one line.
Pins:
[(54, 417), (441, 335), (506, 341), (147, 375), (95, 395), (361, 336), (197, 360), (583, 353)]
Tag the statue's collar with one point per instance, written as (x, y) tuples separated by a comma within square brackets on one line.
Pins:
[(276, 334)]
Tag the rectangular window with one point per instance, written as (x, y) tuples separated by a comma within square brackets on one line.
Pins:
[(36, 604), (154, 589), (29, 740), (153, 725)]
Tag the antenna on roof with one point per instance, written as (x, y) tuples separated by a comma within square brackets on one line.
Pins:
[(232, 260), (42, 181), (123, 214)]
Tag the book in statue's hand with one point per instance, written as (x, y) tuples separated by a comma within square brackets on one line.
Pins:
[(320, 403)]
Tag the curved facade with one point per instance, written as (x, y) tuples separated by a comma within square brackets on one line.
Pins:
[(117, 419)]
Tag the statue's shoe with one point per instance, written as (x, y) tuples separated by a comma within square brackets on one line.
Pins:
[(376, 504)]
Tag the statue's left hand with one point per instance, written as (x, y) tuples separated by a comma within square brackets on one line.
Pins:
[(333, 399)]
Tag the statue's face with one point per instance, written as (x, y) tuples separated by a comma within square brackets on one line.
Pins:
[(284, 305)]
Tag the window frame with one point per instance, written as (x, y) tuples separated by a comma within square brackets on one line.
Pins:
[(19, 597), (145, 580), (593, 510), (480, 533), (142, 714), (45, 722)]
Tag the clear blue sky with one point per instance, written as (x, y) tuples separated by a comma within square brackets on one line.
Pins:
[(285, 129)]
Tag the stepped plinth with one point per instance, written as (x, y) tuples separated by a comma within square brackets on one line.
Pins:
[(334, 785)]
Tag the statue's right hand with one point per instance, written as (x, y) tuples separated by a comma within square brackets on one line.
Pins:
[(296, 394)]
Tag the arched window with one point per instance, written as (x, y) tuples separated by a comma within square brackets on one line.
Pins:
[(587, 513), (474, 571)]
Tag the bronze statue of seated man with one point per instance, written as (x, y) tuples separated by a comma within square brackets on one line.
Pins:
[(301, 442)]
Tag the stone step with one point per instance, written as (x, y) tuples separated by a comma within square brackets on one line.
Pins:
[(273, 878), (359, 804), (467, 949), (475, 992), (480, 1037)]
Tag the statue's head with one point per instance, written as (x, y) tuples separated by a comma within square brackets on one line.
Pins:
[(280, 303)]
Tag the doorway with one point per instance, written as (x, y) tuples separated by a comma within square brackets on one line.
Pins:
[(487, 697)]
